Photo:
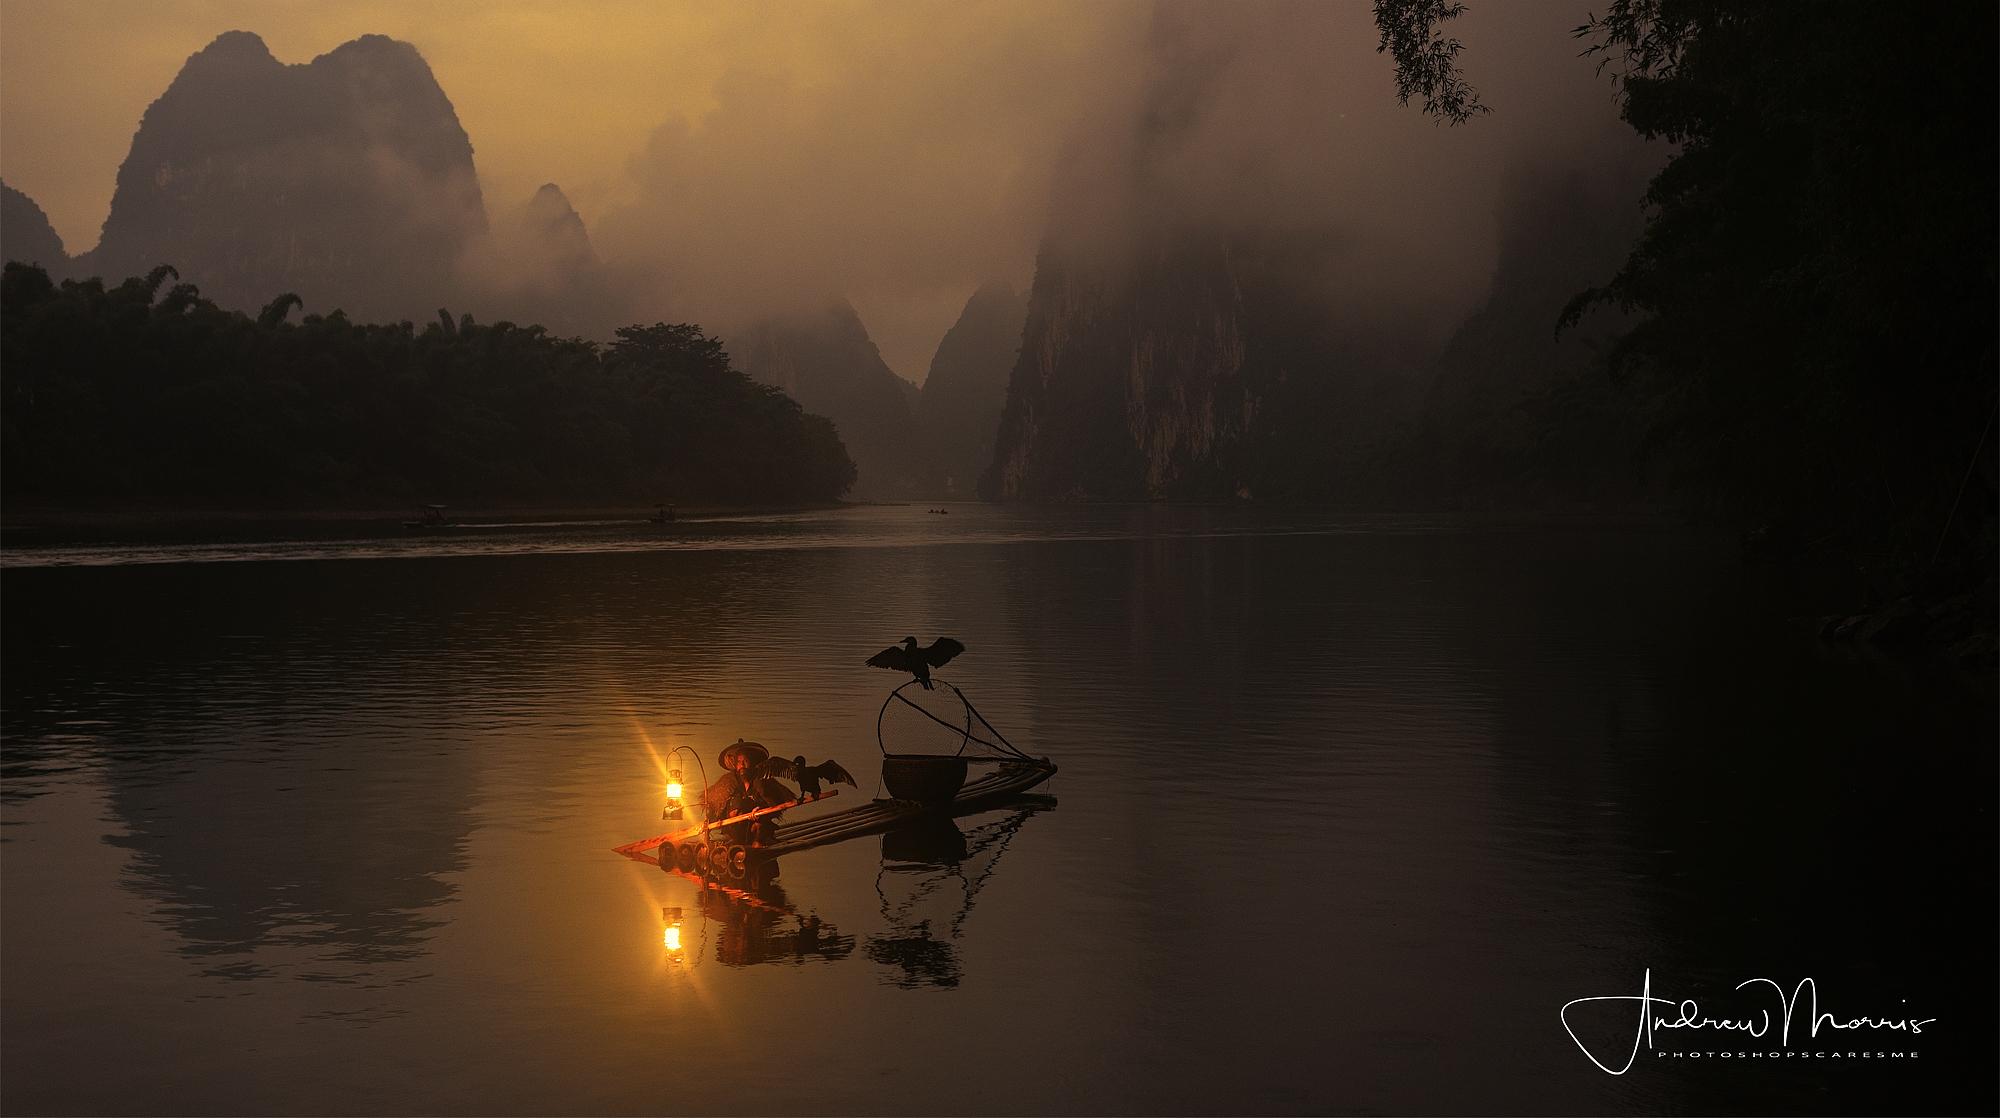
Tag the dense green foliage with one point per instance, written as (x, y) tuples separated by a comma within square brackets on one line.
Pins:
[(123, 396), (1817, 277)]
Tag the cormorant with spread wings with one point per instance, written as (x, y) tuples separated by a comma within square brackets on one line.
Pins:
[(917, 661), (808, 776)]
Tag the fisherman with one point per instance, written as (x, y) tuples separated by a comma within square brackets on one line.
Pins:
[(744, 787)]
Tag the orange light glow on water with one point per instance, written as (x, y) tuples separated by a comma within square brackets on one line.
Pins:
[(671, 938)]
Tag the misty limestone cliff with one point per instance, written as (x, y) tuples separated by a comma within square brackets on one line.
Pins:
[(1205, 367), (1128, 388), (347, 180), (959, 409), (1132, 386), (826, 361), (27, 236)]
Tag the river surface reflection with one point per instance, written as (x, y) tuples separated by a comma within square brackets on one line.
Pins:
[(321, 819)]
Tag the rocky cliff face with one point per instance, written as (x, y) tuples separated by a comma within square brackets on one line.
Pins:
[(1130, 387), (1211, 364), (27, 236), (1199, 369), (826, 361), (959, 409), (347, 180)]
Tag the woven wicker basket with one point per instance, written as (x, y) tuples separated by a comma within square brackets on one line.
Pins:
[(923, 777)]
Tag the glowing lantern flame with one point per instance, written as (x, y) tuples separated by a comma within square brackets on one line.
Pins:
[(673, 810)]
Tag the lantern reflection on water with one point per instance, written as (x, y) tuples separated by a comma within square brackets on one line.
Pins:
[(672, 937)]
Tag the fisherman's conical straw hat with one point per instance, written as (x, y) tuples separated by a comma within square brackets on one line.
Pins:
[(758, 754)]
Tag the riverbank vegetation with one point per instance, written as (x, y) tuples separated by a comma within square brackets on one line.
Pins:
[(126, 396)]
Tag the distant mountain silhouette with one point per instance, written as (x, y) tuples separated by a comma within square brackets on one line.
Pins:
[(558, 232), (959, 410), (347, 180), (27, 236), (538, 266), (826, 361)]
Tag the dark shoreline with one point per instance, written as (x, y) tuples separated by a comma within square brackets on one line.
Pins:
[(26, 517), (51, 517)]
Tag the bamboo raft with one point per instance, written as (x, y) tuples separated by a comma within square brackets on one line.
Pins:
[(698, 848)]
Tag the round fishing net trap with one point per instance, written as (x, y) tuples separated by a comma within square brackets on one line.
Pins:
[(939, 722)]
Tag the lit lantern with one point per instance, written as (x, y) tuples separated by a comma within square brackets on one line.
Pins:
[(673, 795)]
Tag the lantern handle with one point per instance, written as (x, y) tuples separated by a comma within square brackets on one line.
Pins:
[(703, 769)]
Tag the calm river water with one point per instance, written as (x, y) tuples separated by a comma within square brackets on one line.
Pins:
[(1349, 810)]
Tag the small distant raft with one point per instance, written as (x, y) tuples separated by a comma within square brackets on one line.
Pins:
[(709, 848), (431, 516)]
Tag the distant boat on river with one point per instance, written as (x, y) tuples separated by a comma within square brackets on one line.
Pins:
[(430, 516)]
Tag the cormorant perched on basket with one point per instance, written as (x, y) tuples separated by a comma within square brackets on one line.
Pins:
[(917, 661)]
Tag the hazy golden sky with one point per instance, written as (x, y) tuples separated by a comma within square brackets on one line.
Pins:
[(898, 153), (547, 91)]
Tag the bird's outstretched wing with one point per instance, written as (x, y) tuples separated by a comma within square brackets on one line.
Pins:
[(895, 658), (832, 773), (780, 767), (941, 651)]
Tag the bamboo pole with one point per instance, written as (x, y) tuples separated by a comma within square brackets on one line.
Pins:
[(690, 832), (855, 822)]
